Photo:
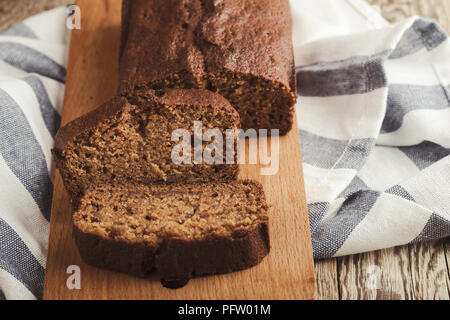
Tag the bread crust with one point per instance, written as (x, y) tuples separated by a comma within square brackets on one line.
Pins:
[(174, 260), (177, 260), (161, 39)]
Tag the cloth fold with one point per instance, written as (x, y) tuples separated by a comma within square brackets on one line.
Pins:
[(374, 121), (33, 57)]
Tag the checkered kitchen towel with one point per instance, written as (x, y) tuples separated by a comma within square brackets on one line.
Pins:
[(374, 121)]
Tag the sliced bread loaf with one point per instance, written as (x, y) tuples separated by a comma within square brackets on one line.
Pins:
[(240, 49), (130, 140), (179, 230)]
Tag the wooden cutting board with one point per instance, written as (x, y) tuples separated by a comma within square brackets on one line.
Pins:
[(286, 273)]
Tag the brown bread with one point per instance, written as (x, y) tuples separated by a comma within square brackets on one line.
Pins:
[(129, 140), (180, 231), (241, 49)]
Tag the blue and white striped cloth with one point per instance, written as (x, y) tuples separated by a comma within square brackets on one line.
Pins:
[(374, 121), (32, 74)]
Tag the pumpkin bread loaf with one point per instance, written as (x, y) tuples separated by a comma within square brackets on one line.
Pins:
[(241, 49)]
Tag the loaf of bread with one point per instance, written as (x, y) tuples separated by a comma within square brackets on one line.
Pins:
[(181, 231), (130, 140), (241, 49)]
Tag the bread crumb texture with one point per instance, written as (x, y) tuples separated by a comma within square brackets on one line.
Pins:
[(150, 214)]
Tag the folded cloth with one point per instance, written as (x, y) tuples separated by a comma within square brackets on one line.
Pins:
[(374, 119), (32, 74)]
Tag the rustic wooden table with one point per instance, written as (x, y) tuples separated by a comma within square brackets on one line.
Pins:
[(419, 271)]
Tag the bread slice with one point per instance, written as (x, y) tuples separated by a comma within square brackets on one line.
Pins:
[(181, 231), (130, 140)]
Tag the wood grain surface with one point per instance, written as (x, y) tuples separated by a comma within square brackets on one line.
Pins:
[(286, 273), (14, 11), (405, 271), (394, 10)]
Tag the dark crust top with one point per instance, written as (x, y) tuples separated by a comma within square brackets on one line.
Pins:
[(197, 97), (140, 98), (162, 38)]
